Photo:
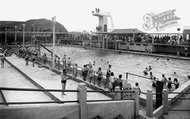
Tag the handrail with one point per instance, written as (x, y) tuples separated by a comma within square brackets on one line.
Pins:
[(143, 93), (158, 93), (122, 91), (55, 90), (139, 76), (27, 89), (177, 93), (108, 100), (39, 102)]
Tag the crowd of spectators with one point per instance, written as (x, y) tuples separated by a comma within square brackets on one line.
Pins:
[(139, 38)]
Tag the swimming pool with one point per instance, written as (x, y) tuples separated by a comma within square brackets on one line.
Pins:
[(126, 62)]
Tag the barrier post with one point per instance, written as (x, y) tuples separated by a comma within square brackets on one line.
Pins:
[(136, 96), (165, 98), (149, 103), (94, 78), (118, 95), (82, 98), (127, 75)]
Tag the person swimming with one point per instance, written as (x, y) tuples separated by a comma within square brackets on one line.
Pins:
[(149, 68), (145, 71), (168, 58)]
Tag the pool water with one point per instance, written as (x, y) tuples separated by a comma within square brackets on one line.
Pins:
[(126, 62)]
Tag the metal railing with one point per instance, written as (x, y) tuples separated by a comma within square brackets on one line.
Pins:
[(112, 93), (179, 99)]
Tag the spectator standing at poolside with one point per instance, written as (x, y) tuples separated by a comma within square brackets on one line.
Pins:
[(64, 61), (58, 63), (64, 79), (108, 74), (164, 80), (90, 74), (84, 72), (2, 60), (120, 82), (111, 82), (176, 83), (136, 87), (27, 59), (169, 83), (75, 69), (69, 62), (44, 58), (100, 75)]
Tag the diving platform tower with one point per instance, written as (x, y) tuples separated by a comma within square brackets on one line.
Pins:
[(103, 21)]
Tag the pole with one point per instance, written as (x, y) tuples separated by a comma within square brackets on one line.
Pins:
[(53, 62), (133, 35), (5, 36), (15, 35), (23, 34)]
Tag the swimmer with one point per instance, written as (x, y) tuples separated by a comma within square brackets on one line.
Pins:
[(101, 59), (188, 76), (150, 68), (168, 58), (145, 71), (90, 65), (151, 75), (178, 54), (157, 58)]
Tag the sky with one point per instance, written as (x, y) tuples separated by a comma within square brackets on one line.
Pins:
[(76, 15)]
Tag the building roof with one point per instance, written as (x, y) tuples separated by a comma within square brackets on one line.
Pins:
[(123, 31), (127, 31)]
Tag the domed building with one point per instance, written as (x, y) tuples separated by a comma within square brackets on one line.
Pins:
[(40, 28)]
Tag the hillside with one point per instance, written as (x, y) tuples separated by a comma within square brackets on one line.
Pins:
[(32, 24)]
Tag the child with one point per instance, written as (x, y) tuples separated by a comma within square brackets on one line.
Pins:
[(145, 71), (137, 87)]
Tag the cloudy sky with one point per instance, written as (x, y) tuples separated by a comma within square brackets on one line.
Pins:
[(77, 14)]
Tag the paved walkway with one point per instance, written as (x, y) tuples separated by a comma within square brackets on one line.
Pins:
[(9, 77), (50, 80)]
